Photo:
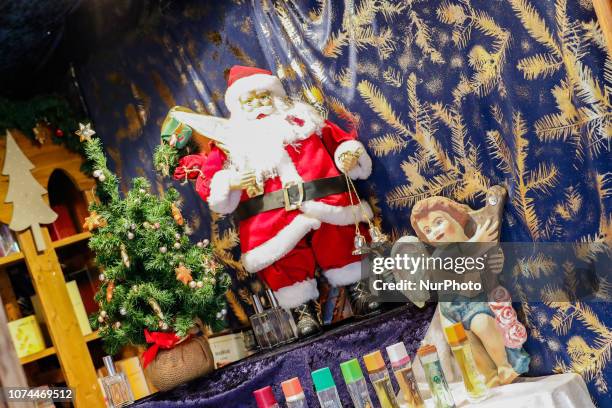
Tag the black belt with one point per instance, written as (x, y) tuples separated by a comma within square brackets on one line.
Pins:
[(291, 196)]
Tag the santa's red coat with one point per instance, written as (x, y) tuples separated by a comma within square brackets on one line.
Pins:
[(268, 236)]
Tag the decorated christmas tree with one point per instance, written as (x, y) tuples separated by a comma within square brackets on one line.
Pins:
[(153, 278)]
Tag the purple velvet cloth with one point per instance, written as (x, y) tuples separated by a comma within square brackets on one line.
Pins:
[(232, 386)]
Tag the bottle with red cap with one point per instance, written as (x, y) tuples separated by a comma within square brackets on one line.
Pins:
[(294, 394), (264, 397)]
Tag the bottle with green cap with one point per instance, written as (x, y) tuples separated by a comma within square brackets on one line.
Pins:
[(356, 384), (326, 388)]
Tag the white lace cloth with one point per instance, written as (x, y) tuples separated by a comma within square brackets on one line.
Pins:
[(553, 391)]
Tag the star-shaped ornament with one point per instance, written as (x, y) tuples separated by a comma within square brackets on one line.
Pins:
[(41, 132), (85, 132), (176, 214), (94, 221), (183, 274)]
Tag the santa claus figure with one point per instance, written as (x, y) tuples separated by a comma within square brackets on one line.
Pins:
[(280, 169)]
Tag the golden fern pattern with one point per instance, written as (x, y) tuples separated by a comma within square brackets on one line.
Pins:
[(449, 97)]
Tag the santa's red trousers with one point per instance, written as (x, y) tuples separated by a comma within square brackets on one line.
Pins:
[(329, 247)]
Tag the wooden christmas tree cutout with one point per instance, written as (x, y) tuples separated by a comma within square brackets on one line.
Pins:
[(29, 208)]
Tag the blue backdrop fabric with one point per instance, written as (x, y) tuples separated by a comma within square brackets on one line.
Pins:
[(450, 97)]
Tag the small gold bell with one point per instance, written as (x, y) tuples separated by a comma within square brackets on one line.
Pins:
[(378, 238), (361, 246)]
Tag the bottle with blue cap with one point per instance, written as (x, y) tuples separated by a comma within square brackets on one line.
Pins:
[(326, 388)]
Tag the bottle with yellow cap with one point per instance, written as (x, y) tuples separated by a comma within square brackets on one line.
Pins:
[(474, 382), (379, 376), (428, 354)]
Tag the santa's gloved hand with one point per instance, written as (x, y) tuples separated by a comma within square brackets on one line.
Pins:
[(189, 167), (349, 160)]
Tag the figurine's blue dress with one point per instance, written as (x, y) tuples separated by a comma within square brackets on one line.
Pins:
[(463, 309)]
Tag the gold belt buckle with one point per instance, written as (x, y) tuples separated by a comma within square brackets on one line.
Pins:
[(289, 205)]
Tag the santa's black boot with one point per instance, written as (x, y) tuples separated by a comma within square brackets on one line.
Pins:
[(362, 301), (306, 320)]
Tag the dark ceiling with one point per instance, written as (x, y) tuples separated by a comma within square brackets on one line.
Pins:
[(40, 38)]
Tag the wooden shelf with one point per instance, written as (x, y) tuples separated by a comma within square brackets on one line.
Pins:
[(37, 356), (92, 336), (51, 350), (11, 259), (73, 239)]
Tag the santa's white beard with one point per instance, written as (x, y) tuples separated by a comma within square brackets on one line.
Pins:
[(256, 147), (259, 144)]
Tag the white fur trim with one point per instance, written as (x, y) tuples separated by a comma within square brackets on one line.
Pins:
[(257, 82), (345, 275), (278, 246), (286, 169), (297, 294), (336, 215), (363, 169), (222, 199)]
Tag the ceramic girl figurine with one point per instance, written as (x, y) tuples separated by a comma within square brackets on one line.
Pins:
[(439, 222)]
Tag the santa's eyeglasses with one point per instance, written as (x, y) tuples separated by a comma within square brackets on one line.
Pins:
[(256, 100)]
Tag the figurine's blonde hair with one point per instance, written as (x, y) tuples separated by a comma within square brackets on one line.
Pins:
[(459, 212)]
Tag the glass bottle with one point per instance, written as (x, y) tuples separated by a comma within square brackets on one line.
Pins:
[(116, 387), (294, 394), (402, 368), (356, 384), (326, 388), (379, 376), (264, 397), (474, 382), (428, 354), (263, 328), (282, 317)]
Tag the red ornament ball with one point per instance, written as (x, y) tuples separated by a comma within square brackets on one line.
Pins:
[(59, 133)]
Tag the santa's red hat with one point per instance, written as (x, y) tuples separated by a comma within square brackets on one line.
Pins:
[(242, 80)]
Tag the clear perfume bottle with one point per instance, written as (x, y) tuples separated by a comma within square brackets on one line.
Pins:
[(282, 317), (356, 384), (402, 368), (116, 387), (264, 326), (379, 377), (428, 354), (474, 382)]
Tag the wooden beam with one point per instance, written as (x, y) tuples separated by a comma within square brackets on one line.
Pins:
[(72, 352), (11, 372), (603, 9)]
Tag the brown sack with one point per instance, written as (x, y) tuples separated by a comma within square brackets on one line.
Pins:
[(186, 361)]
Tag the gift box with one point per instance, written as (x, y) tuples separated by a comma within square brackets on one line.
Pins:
[(26, 336), (132, 369), (77, 305), (228, 348), (63, 226)]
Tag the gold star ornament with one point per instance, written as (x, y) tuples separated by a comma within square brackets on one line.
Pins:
[(94, 221), (41, 132), (183, 274), (85, 132)]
